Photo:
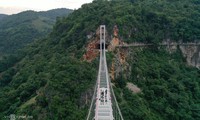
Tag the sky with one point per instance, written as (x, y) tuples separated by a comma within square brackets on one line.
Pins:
[(16, 6)]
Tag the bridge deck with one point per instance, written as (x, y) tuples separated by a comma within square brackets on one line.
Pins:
[(103, 109), (103, 103)]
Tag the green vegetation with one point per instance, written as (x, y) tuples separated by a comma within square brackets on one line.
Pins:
[(46, 84), (170, 89), (18, 30), (142, 20), (49, 81), (2, 16)]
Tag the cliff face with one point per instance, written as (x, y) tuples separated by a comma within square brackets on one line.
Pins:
[(121, 63), (192, 55), (191, 52), (123, 52), (93, 45)]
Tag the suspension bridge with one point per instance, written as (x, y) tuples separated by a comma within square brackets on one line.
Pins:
[(104, 105)]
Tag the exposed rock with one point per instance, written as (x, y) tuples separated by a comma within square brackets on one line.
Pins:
[(115, 31), (91, 51), (112, 71), (192, 54), (191, 51), (115, 40), (92, 48), (133, 87), (120, 63)]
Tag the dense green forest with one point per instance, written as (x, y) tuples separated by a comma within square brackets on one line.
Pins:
[(144, 20), (170, 88), (49, 81), (18, 30)]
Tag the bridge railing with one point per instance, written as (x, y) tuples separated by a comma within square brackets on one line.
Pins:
[(117, 115)]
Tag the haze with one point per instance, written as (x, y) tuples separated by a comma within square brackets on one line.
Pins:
[(16, 6)]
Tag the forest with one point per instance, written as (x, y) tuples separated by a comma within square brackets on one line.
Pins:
[(170, 88), (49, 80), (19, 30)]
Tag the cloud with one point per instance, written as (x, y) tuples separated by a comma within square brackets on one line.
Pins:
[(15, 6), (11, 10)]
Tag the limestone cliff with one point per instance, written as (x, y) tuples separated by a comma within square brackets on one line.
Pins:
[(191, 51), (192, 54)]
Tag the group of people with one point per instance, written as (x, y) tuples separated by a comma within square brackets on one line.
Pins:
[(103, 97)]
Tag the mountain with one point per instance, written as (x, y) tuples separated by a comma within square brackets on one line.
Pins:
[(50, 80), (2, 16), (18, 30), (53, 14)]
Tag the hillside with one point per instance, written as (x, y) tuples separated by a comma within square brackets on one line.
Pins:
[(50, 80), (17, 30), (2, 16), (168, 88)]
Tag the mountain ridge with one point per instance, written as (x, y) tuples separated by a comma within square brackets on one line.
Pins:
[(23, 28)]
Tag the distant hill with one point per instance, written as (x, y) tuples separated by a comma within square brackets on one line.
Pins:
[(54, 13), (2, 16), (17, 30)]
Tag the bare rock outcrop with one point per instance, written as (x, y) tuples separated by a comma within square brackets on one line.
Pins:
[(192, 54)]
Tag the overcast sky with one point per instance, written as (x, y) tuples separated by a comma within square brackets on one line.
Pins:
[(16, 6)]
